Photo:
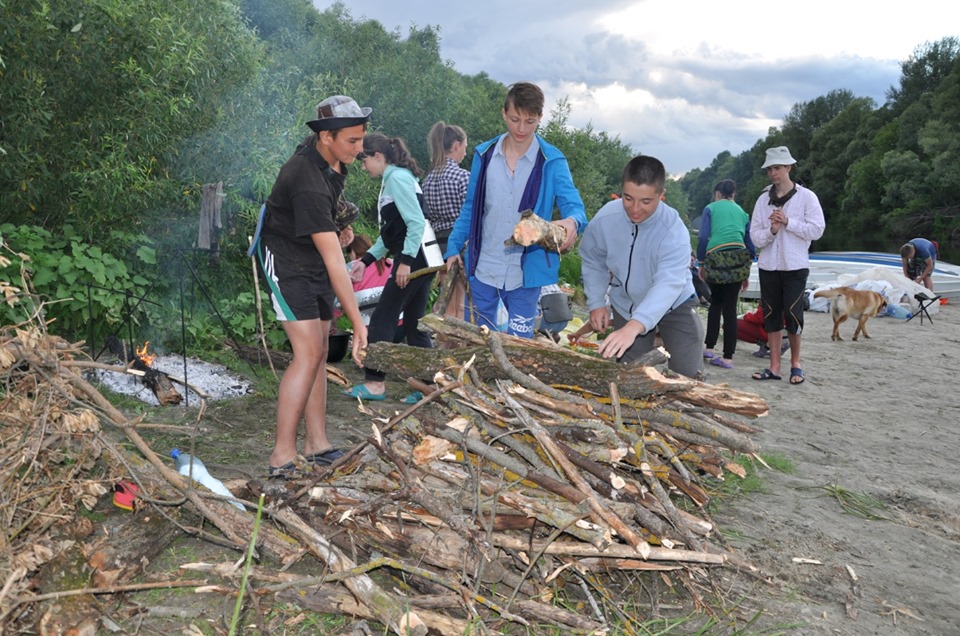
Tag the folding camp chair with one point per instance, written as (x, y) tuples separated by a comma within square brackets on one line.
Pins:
[(925, 301)]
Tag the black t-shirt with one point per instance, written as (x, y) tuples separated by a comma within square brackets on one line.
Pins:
[(303, 202)]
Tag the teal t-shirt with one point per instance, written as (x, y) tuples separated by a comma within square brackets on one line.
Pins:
[(728, 224)]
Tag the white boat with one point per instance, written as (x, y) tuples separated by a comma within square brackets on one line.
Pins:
[(827, 267)]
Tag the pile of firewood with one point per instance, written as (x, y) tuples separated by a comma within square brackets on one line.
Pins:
[(528, 472), (499, 492)]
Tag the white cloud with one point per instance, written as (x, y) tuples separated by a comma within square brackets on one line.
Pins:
[(677, 81)]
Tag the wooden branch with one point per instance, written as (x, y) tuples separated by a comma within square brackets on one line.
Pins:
[(454, 274), (600, 511), (552, 365), (571, 548), (426, 271), (384, 607), (332, 599)]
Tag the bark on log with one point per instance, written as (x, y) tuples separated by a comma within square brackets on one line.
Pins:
[(122, 554), (553, 365), (533, 230), (75, 615), (281, 360)]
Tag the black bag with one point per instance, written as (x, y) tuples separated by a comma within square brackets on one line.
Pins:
[(727, 266)]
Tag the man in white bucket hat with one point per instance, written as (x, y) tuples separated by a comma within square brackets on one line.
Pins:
[(786, 219)]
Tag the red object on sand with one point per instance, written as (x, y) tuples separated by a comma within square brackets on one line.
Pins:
[(125, 494)]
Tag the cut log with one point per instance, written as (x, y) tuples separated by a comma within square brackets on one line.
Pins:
[(280, 360), (533, 230), (552, 365)]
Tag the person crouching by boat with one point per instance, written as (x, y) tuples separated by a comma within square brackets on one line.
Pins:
[(919, 257), (402, 231), (750, 329)]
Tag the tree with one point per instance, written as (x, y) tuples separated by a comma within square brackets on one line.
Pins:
[(596, 159), (805, 118), (922, 72), (96, 95)]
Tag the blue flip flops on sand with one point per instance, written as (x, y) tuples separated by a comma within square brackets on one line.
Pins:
[(362, 392)]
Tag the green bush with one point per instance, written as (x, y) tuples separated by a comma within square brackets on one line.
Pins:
[(76, 285), (570, 275)]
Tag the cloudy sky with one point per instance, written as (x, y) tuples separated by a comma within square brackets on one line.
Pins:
[(682, 81)]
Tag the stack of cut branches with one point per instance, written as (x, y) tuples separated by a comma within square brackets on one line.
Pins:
[(494, 497), (474, 510)]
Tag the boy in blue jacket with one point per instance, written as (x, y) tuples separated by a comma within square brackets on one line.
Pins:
[(511, 173)]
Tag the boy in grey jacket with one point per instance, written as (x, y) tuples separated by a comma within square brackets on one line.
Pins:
[(637, 250)]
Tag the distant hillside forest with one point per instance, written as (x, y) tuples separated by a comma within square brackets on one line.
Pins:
[(116, 112)]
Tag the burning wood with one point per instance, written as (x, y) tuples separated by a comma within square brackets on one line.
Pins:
[(141, 361), (142, 353)]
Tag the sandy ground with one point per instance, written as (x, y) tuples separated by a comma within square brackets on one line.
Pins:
[(876, 416)]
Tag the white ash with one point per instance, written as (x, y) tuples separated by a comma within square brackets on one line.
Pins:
[(214, 380)]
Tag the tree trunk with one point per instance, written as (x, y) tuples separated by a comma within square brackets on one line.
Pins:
[(552, 365)]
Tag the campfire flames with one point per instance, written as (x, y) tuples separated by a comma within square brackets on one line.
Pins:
[(146, 358)]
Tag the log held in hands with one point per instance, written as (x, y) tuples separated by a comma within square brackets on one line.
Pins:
[(532, 230)]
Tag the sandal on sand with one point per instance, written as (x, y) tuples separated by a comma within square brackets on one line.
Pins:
[(766, 374), (709, 355), (413, 398), (362, 392), (796, 375), (721, 362), (286, 472), (762, 352), (325, 458)]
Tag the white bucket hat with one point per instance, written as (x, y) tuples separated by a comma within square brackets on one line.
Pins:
[(779, 156)]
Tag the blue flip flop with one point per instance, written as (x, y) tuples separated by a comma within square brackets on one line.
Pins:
[(325, 458), (362, 392), (286, 472), (796, 375), (413, 398), (766, 374)]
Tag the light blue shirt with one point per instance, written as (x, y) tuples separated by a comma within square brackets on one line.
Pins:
[(499, 265)]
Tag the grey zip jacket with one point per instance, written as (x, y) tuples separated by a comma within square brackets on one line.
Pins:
[(644, 267)]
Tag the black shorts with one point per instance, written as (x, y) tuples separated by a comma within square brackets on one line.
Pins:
[(299, 284), (781, 294)]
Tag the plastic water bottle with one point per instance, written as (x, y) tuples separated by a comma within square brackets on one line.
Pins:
[(200, 474), (896, 310)]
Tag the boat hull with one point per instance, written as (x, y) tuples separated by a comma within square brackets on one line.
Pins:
[(827, 267)]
